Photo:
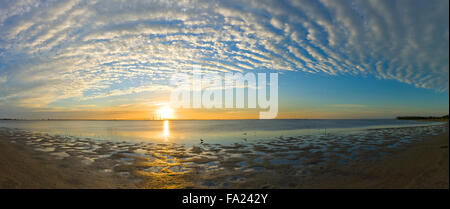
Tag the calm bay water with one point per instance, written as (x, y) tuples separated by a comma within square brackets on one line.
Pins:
[(211, 131)]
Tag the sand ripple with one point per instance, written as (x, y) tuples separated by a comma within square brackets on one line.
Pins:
[(221, 166)]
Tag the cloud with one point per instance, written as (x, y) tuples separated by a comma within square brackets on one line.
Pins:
[(3, 79), (53, 50)]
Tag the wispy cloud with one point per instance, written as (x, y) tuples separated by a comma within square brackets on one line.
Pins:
[(53, 50)]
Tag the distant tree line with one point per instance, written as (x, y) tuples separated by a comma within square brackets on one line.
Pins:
[(445, 117)]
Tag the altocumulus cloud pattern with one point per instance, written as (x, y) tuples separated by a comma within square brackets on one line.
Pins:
[(53, 50)]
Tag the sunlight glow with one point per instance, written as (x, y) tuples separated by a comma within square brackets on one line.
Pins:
[(165, 113)]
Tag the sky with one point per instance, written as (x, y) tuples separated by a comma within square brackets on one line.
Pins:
[(112, 59)]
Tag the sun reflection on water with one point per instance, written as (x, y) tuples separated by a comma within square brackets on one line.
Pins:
[(166, 130)]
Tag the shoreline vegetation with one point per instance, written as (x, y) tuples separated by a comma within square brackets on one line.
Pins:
[(28, 161), (420, 118)]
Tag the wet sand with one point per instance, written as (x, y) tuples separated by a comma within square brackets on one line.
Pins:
[(23, 168), (380, 158), (423, 165)]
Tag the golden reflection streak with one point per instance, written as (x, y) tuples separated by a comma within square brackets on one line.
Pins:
[(166, 131)]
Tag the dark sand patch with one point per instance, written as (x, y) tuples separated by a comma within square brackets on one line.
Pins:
[(21, 169), (422, 165)]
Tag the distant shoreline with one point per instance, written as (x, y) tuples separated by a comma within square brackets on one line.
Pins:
[(398, 118), (420, 118)]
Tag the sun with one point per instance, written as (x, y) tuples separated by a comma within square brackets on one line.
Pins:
[(165, 113)]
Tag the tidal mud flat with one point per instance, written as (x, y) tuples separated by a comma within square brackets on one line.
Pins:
[(283, 162)]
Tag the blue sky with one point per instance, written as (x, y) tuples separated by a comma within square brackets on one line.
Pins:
[(358, 97), (112, 59)]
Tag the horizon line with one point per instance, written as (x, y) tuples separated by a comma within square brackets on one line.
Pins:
[(194, 119)]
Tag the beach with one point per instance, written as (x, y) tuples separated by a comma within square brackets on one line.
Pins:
[(22, 168), (423, 165), (408, 157)]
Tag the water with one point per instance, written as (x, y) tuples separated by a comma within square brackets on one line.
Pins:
[(210, 131), (234, 152)]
